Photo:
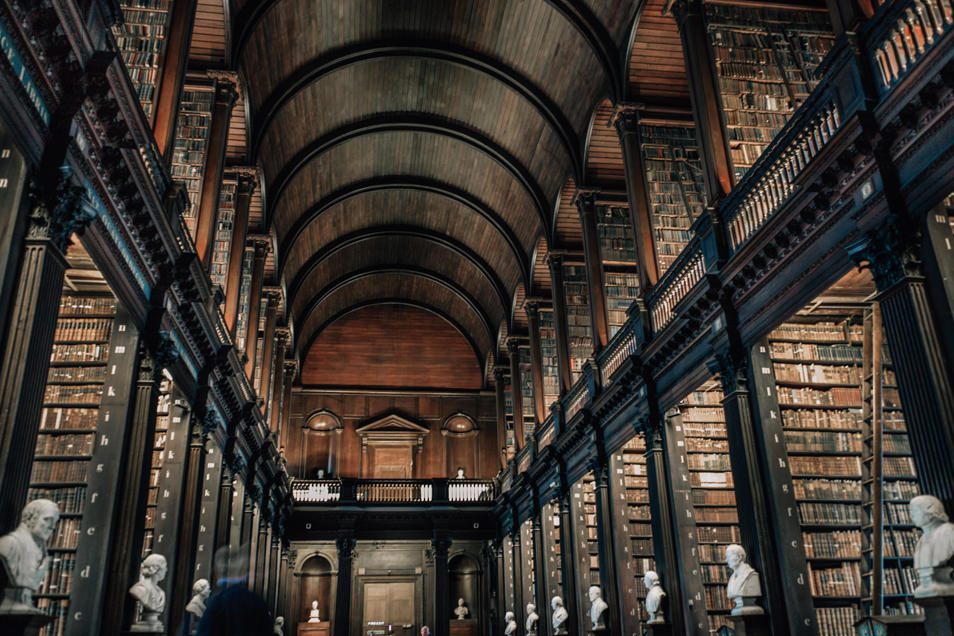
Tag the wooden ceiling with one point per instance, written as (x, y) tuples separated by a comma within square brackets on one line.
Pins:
[(429, 152)]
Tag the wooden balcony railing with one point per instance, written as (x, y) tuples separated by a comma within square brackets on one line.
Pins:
[(907, 31), (392, 491)]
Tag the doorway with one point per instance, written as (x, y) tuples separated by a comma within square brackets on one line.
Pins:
[(389, 609)]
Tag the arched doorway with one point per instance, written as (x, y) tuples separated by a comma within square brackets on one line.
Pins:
[(316, 581), (464, 573)]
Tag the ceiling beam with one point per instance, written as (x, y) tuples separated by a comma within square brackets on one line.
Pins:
[(577, 13), (404, 182), (408, 122)]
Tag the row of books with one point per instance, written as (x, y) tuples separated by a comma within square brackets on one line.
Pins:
[(836, 396), (66, 536), (76, 374), (709, 461), (842, 580), (717, 515), (718, 534), (711, 479), (73, 393), (900, 581), (45, 471), (823, 441), (66, 444), (837, 621), (848, 419), (816, 352), (817, 373), (59, 576), (87, 305), (829, 513), (715, 573), (57, 608), (83, 352), (846, 489), (845, 544), (707, 444), (83, 329), (835, 465), (60, 418), (71, 500)]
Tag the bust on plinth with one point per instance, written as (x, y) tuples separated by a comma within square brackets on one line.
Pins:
[(560, 616), (461, 611), (933, 552), (598, 608), (655, 596), (744, 586), (532, 619), (151, 597), (511, 627), (314, 616), (23, 555)]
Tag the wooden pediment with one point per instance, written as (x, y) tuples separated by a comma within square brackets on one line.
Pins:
[(392, 429)]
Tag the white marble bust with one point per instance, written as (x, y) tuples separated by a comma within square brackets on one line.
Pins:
[(511, 624), (933, 552), (598, 608), (314, 616), (559, 616), (151, 597), (23, 554), (278, 629), (461, 611), (744, 586), (200, 594), (532, 619), (654, 598)]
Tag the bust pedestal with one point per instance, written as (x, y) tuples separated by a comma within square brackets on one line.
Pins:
[(23, 623), (938, 614), (750, 624), (322, 628), (465, 627), (598, 631), (658, 629)]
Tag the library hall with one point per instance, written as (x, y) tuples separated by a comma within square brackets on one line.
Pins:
[(477, 317)]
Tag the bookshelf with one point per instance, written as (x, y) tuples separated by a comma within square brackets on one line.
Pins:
[(508, 418), (587, 535), (674, 185), (140, 38), (578, 329), (713, 494), (219, 267), (508, 584), (526, 391), (550, 526), (622, 288), (66, 435), (529, 571), (823, 378), (615, 231), (158, 457), (634, 543), (245, 290), (548, 353), (765, 61), (191, 146)]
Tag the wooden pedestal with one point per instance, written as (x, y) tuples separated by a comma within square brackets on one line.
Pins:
[(466, 627), (751, 625), (938, 614), (659, 629), (314, 629), (23, 623)]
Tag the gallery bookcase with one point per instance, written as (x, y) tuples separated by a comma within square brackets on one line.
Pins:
[(219, 267), (140, 38), (191, 146), (578, 329), (548, 351)]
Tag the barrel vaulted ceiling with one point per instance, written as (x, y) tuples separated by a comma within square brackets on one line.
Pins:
[(415, 152)]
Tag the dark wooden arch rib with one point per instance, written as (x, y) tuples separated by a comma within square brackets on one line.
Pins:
[(404, 182), (386, 231), (395, 301), (343, 57), (580, 16), (417, 272), (409, 122)]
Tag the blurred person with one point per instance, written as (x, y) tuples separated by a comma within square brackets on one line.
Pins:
[(234, 610)]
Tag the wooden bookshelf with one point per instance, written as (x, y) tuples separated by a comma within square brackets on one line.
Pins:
[(550, 520), (66, 436), (192, 145), (508, 583), (713, 494), (158, 458), (245, 290), (765, 61), (548, 351), (586, 532), (219, 267), (674, 183), (526, 391), (578, 328), (528, 567), (141, 38)]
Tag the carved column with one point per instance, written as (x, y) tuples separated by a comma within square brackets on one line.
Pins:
[(225, 98), (540, 570), (567, 561), (274, 563), (261, 553), (716, 165), (288, 380), (275, 395), (223, 515), (555, 261), (924, 379), (517, 559), (499, 383), (442, 600), (29, 341), (604, 521), (345, 543), (627, 127), (249, 521), (237, 514), (272, 297), (937, 254), (171, 75), (233, 284), (500, 588), (586, 205), (260, 245), (516, 394), (536, 360)]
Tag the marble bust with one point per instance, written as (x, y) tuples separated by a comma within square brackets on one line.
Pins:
[(598, 608), (460, 473), (744, 586), (532, 619), (654, 598), (314, 616), (151, 597), (23, 554), (279, 628), (200, 594), (559, 616), (933, 551), (511, 624), (461, 611)]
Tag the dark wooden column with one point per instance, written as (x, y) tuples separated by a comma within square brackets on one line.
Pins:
[(171, 74), (517, 557), (183, 570), (95, 556), (260, 245), (223, 513), (207, 214), (272, 296), (555, 261), (604, 521), (586, 205), (274, 561), (516, 395), (238, 512), (498, 590), (249, 521), (924, 379), (26, 357), (345, 544), (536, 359), (501, 403), (627, 127), (937, 254), (567, 560), (247, 180), (540, 571), (289, 369), (275, 394), (441, 545), (716, 166), (125, 543), (845, 15), (261, 554)]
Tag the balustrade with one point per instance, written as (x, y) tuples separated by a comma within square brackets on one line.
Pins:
[(384, 491), (910, 30)]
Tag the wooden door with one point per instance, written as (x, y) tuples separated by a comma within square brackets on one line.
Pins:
[(392, 462), (388, 604)]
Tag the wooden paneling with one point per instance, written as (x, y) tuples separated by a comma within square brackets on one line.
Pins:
[(604, 155), (541, 271), (656, 67), (208, 46), (392, 346), (569, 231)]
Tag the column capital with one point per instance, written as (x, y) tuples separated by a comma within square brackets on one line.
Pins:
[(626, 119), (246, 176), (555, 260), (68, 212), (682, 9), (291, 367), (514, 343), (890, 254), (345, 545), (225, 88), (441, 546), (500, 374), (274, 296), (585, 201), (282, 336), (732, 370), (262, 243)]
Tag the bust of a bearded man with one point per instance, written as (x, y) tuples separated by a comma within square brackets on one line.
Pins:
[(23, 554)]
